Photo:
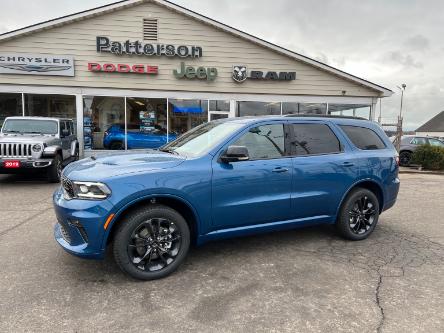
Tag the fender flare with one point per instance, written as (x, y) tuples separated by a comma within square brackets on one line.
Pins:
[(125, 207), (74, 148), (360, 181)]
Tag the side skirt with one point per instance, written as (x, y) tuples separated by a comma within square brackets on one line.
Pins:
[(263, 228)]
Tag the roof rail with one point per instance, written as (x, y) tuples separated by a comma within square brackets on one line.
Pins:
[(324, 116)]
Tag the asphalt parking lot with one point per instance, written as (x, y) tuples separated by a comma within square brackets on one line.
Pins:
[(306, 280)]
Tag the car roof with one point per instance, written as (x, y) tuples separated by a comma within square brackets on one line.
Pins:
[(38, 118)]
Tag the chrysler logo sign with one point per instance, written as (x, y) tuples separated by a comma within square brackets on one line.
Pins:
[(37, 64), (240, 74)]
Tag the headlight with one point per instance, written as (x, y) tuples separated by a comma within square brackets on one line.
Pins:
[(90, 190), (37, 148)]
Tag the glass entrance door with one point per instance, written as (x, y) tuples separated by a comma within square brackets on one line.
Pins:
[(219, 109)]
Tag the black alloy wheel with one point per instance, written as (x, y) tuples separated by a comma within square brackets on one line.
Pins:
[(359, 214), (154, 244), (405, 157), (151, 242), (362, 215)]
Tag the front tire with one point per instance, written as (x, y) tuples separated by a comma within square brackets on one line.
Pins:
[(359, 214), (151, 242), (55, 169)]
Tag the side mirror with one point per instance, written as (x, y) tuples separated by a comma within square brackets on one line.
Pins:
[(65, 133), (235, 154)]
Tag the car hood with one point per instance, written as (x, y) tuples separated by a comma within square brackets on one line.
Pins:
[(28, 138), (114, 164)]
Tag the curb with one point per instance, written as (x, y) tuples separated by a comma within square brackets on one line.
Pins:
[(441, 173)]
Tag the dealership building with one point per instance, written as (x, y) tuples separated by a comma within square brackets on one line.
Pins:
[(152, 70)]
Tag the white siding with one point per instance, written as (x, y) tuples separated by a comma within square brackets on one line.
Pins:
[(220, 49)]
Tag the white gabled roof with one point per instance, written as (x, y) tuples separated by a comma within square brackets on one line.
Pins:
[(129, 3)]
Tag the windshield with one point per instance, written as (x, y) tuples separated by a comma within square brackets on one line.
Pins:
[(22, 126), (202, 138)]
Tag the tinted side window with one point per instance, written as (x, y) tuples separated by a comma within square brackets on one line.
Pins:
[(363, 138), (435, 142), (264, 142), (313, 139), (419, 141)]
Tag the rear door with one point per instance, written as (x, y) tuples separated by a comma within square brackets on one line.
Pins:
[(323, 169), (258, 190)]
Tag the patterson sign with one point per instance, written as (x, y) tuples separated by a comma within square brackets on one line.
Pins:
[(36, 64), (104, 44)]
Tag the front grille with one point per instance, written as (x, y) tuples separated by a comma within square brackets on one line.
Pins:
[(65, 234), (15, 150), (67, 187)]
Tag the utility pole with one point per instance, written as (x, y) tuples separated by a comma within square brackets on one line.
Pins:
[(399, 125)]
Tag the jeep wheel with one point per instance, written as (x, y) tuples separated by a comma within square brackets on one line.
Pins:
[(116, 145), (405, 158), (358, 215), (151, 242), (55, 169)]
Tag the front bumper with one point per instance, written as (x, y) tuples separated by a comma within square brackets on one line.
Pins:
[(79, 228), (25, 165)]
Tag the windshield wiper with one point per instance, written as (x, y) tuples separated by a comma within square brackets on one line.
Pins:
[(33, 132), (170, 151), (13, 131)]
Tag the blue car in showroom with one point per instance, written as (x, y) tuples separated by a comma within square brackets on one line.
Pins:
[(138, 137), (226, 178)]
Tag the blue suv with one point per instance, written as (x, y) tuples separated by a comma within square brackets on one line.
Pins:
[(138, 137), (226, 178)]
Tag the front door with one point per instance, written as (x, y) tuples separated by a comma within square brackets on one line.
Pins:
[(254, 191)]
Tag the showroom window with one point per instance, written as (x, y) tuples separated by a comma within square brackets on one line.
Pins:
[(59, 106), (353, 110), (304, 108), (184, 114), (10, 106), (146, 122), (257, 108), (104, 115)]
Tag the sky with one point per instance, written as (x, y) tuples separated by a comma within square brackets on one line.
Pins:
[(388, 42)]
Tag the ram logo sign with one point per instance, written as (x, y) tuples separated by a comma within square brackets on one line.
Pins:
[(36, 64)]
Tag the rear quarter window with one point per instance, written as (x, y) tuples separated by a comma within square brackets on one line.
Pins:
[(363, 138)]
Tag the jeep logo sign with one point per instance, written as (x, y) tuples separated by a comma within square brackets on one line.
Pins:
[(190, 72)]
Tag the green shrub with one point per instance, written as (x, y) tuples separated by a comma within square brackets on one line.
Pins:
[(430, 157)]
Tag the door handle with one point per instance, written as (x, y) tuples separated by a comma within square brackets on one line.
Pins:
[(348, 164), (279, 169)]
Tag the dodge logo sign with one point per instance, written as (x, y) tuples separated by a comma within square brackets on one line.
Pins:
[(239, 73)]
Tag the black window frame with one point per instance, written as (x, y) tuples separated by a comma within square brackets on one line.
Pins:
[(292, 136), (366, 128), (286, 141)]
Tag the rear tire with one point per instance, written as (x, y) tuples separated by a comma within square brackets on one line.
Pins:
[(358, 215), (55, 169), (151, 242), (405, 157)]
